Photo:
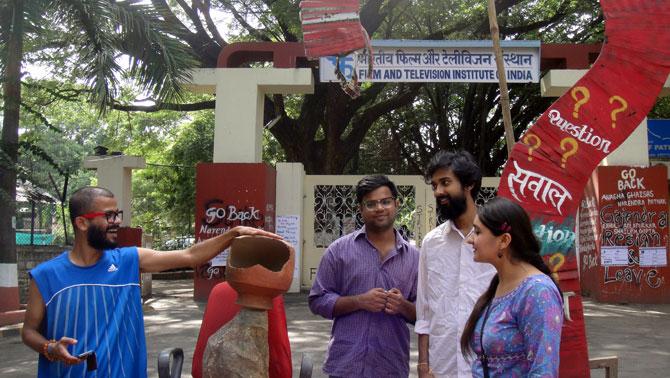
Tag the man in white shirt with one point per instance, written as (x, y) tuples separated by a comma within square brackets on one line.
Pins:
[(449, 282)]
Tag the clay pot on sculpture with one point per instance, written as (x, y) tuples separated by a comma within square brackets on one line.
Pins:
[(259, 269)]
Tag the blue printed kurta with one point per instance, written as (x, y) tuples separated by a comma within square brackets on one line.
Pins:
[(522, 335)]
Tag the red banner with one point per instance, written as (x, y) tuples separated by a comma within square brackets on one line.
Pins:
[(623, 239), (550, 166)]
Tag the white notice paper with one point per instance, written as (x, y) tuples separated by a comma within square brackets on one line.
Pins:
[(614, 256), (288, 227), (221, 258), (653, 256)]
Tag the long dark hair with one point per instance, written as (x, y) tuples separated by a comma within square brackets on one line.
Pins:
[(501, 215)]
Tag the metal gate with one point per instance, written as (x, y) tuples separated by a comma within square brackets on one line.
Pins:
[(331, 211)]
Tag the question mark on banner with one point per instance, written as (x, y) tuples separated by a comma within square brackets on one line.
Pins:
[(556, 261), (624, 106), (586, 95), (568, 151), (533, 146)]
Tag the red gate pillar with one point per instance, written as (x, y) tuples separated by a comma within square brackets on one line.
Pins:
[(229, 195), (129, 237)]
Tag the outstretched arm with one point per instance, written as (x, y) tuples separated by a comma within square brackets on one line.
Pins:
[(197, 254)]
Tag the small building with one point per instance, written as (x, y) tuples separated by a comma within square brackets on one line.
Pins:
[(36, 215)]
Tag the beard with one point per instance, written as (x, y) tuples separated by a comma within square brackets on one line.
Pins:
[(454, 208), (97, 237)]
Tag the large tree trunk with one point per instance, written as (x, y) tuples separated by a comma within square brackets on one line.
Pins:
[(9, 145), (327, 135)]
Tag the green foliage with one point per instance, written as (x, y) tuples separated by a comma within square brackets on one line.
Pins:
[(97, 31), (80, 43), (164, 192), (272, 151), (661, 110), (62, 130), (162, 138), (406, 213)]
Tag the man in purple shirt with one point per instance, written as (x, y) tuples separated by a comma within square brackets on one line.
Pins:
[(366, 282)]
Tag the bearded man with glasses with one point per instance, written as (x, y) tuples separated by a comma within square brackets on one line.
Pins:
[(86, 302), (366, 282), (450, 281)]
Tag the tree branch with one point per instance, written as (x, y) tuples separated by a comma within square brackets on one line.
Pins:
[(67, 94), (522, 29), (403, 150), (442, 34), (501, 6), (203, 46), (283, 26), (588, 31), (252, 31), (41, 117), (372, 14), (193, 16), (366, 119), (39, 152), (165, 106), (204, 8)]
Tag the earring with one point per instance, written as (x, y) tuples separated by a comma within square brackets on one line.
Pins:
[(500, 254)]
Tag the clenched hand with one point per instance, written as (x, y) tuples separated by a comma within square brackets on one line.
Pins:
[(373, 301), (394, 301)]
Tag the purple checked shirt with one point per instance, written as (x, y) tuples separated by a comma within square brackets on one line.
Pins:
[(365, 344)]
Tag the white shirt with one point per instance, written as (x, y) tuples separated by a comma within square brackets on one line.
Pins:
[(450, 282)]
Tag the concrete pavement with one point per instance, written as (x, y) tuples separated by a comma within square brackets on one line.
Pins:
[(638, 334)]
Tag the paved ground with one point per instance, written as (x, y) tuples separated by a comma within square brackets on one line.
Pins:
[(638, 334)]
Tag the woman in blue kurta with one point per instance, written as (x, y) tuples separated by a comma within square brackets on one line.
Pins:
[(514, 329)]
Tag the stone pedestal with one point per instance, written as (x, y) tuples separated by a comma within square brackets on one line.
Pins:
[(239, 348)]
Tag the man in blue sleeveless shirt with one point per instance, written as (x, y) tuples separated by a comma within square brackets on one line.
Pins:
[(88, 299)]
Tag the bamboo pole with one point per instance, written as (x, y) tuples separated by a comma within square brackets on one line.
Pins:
[(502, 78)]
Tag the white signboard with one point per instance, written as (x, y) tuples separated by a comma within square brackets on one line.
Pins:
[(288, 227), (221, 258), (614, 256), (438, 61), (650, 256)]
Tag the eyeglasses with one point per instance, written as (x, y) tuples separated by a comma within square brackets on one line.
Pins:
[(110, 215), (385, 202)]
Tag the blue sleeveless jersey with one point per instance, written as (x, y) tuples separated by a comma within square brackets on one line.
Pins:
[(101, 307)]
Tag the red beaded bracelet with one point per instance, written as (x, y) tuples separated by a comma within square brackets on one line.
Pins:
[(45, 350)]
